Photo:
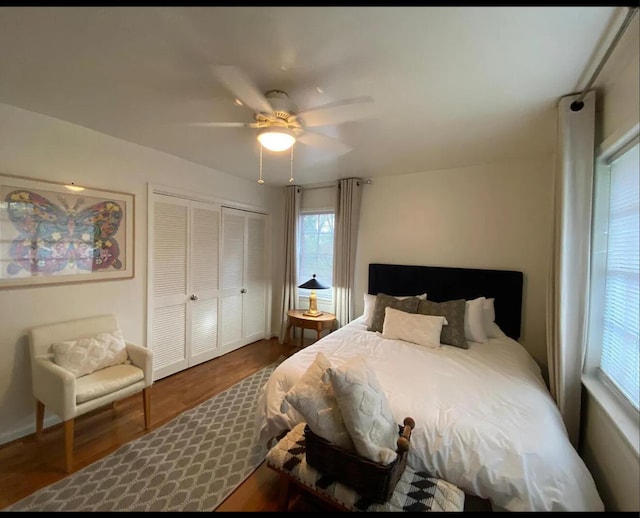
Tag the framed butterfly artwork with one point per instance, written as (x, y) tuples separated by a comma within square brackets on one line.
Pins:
[(51, 234)]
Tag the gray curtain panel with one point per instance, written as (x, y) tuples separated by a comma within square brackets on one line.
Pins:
[(344, 253), (290, 284)]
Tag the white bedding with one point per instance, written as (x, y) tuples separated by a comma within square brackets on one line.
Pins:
[(484, 418)]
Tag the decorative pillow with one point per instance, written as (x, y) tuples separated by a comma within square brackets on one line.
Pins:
[(365, 410), (315, 400), (383, 301), (370, 303), (411, 327), (474, 320), (491, 329), (86, 355), (453, 310)]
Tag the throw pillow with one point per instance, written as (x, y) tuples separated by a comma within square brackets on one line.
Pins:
[(491, 329), (474, 320), (86, 355), (365, 410), (415, 328), (315, 400), (370, 303), (453, 310), (384, 301)]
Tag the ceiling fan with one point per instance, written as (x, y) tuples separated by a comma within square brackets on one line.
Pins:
[(279, 122)]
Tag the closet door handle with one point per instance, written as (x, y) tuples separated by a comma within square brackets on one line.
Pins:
[(194, 297), (243, 290)]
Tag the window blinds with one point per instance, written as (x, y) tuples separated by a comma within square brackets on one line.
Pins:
[(620, 341)]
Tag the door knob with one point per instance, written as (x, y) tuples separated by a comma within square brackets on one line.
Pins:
[(194, 297), (243, 290)]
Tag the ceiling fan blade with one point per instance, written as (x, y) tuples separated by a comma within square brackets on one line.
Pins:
[(311, 138), (242, 87), (225, 124), (335, 113)]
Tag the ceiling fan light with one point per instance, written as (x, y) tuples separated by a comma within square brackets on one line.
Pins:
[(73, 187), (276, 139)]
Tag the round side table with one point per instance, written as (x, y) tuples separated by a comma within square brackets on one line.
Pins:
[(297, 318)]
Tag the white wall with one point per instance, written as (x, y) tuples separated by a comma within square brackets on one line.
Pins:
[(37, 146), (613, 462), (493, 216), (318, 198)]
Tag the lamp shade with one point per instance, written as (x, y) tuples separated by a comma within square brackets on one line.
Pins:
[(276, 139), (313, 284)]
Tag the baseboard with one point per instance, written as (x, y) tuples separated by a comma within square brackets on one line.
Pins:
[(6, 438)]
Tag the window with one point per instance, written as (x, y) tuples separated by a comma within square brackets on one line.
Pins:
[(614, 344), (316, 251)]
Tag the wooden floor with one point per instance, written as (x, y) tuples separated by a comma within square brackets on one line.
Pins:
[(27, 465)]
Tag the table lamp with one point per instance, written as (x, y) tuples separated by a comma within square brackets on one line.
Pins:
[(313, 285)]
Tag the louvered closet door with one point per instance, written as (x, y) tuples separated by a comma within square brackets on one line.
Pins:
[(244, 284), (254, 299), (204, 282), (169, 285), (233, 254)]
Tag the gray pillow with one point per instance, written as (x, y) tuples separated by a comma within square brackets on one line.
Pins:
[(383, 301), (453, 311)]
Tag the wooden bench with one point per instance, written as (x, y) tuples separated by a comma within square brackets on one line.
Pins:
[(415, 491)]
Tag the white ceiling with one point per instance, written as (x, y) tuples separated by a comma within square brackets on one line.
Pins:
[(453, 86)]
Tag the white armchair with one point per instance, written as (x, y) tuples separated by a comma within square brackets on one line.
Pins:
[(69, 395)]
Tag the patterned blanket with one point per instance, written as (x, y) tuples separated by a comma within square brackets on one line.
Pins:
[(415, 491)]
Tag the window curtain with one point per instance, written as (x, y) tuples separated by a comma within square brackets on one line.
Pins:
[(290, 257), (346, 239), (568, 287)]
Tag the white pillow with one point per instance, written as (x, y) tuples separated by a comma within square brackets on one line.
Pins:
[(491, 329), (474, 320), (370, 304), (315, 400), (365, 410), (413, 327), (86, 355)]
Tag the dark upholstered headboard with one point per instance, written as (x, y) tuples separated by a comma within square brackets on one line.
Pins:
[(441, 284)]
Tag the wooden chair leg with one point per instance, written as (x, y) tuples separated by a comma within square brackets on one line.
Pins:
[(285, 492), (68, 444), (39, 419), (146, 403)]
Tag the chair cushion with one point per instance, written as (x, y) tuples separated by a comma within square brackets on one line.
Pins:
[(88, 354), (106, 381)]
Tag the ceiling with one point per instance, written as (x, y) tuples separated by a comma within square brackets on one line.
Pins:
[(452, 86)]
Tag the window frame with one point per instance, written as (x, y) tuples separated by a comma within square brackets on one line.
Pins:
[(625, 417), (325, 297)]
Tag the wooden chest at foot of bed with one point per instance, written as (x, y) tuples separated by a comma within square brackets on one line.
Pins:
[(413, 491)]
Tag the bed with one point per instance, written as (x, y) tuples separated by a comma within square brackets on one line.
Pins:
[(485, 420)]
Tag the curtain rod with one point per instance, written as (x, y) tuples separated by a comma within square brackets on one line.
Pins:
[(366, 181), (577, 105)]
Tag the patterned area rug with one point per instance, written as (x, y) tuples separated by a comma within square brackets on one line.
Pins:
[(192, 463)]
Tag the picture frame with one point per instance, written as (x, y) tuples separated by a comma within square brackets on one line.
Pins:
[(52, 233)]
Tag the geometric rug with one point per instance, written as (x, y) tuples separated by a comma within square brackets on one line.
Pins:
[(191, 463)]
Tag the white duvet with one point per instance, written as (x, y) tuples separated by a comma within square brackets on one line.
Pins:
[(485, 420)]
